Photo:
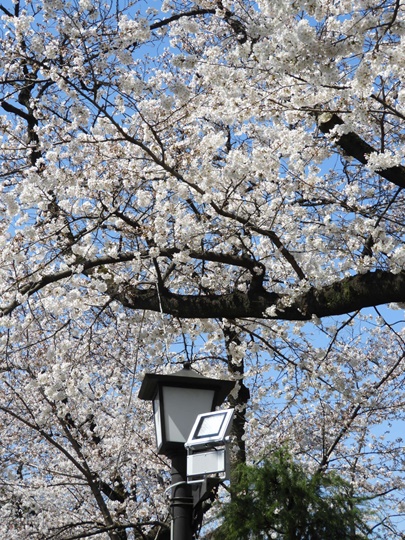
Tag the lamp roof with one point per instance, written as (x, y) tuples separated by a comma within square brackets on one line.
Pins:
[(186, 378)]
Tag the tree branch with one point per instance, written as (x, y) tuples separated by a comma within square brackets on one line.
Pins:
[(31, 287), (356, 147), (178, 16), (343, 296)]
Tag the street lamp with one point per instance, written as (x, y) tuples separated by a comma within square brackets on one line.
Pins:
[(177, 401)]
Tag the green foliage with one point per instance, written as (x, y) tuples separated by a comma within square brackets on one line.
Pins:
[(279, 500)]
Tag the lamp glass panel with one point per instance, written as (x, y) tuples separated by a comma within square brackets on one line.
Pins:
[(181, 408), (210, 426), (158, 423)]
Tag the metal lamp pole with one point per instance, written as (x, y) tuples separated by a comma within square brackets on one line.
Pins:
[(181, 502)]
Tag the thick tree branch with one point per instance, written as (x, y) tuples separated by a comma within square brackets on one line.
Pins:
[(356, 147), (240, 400), (178, 16), (8, 107), (87, 266), (343, 296)]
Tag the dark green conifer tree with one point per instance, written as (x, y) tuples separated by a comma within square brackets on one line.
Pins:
[(278, 499)]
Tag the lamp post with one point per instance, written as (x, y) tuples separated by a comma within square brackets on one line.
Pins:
[(177, 401)]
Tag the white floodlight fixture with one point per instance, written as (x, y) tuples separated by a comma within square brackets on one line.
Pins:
[(210, 430)]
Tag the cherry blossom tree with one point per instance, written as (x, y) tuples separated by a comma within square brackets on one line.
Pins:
[(216, 181)]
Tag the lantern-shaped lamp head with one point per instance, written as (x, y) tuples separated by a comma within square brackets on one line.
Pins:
[(177, 401)]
